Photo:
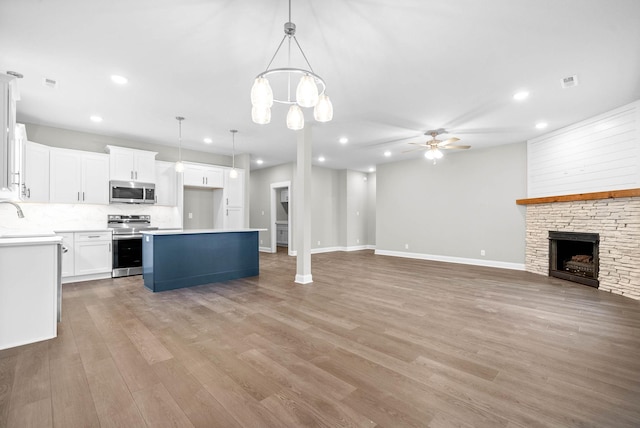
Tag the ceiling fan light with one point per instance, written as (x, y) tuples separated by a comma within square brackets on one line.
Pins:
[(429, 154), (261, 93), (261, 115), (437, 154), (323, 112), (307, 91), (295, 118)]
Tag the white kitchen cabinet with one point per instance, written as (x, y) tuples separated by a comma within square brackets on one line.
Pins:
[(166, 183), (234, 189), (284, 195), (78, 177), (92, 253), (200, 175), (35, 170), (8, 146), (131, 165), (234, 218), (68, 254), (29, 291)]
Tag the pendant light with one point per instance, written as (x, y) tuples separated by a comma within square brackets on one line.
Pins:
[(179, 164), (233, 173), (310, 91)]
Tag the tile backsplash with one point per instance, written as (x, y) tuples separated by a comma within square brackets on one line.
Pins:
[(59, 217)]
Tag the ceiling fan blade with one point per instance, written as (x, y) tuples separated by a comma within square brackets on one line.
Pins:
[(449, 141), (454, 147), (418, 144)]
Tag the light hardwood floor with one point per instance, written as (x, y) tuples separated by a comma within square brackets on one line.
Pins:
[(374, 342)]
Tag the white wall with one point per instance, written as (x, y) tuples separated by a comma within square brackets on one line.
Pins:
[(594, 155), (453, 210)]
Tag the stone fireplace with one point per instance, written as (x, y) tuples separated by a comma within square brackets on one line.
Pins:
[(613, 216)]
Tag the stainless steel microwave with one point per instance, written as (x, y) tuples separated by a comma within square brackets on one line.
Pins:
[(130, 192)]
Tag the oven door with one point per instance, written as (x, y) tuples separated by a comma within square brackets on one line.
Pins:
[(127, 255)]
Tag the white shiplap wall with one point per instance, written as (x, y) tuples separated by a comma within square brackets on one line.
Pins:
[(595, 155)]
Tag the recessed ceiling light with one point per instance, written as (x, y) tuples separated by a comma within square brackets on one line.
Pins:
[(541, 125), (259, 161), (208, 140), (343, 140), (522, 95), (372, 169), (387, 154), (321, 159), (120, 80), (95, 118)]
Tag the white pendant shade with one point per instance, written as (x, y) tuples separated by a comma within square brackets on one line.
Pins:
[(295, 118), (437, 154), (179, 166), (261, 93), (429, 154), (233, 173), (323, 112), (307, 91), (261, 115)]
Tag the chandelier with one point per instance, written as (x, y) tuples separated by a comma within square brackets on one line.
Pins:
[(310, 91)]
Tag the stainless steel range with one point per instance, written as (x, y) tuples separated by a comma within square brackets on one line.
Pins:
[(127, 242)]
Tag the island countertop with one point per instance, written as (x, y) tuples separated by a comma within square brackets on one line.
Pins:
[(197, 231)]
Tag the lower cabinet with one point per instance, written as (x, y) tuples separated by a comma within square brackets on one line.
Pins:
[(282, 234), (86, 255)]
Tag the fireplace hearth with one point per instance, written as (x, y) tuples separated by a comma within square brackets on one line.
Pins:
[(574, 256)]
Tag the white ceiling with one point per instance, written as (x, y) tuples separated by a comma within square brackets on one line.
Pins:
[(394, 69)]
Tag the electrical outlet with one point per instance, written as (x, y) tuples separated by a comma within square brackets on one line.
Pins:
[(261, 242), (482, 253), (190, 215), (357, 241), (406, 246), (357, 212), (318, 243), (262, 212)]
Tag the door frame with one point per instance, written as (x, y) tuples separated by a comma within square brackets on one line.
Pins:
[(275, 187)]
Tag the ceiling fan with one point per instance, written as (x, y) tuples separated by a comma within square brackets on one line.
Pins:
[(433, 146)]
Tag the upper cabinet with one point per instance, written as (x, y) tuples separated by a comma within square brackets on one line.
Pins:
[(201, 175), (131, 164), (35, 178), (166, 183), (234, 189), (78, 177)]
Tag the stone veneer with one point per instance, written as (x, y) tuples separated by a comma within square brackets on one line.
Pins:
[(616, 220)]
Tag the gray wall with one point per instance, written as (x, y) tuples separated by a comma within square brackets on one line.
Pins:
[(371, 209), (198, 202), (76, 140), (336, 198), (462, 205)]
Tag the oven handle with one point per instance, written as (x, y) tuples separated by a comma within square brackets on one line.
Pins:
[(126, 237)]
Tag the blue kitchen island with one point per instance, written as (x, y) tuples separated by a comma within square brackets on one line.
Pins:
[(184, 258)]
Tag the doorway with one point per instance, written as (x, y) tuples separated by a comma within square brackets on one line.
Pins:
[(281, 215)]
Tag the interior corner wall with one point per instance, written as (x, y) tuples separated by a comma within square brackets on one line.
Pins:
[(455, 209), (356, 209)]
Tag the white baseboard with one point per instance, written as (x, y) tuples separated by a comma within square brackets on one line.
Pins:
[(304, 279), (264, 249), (449, 259), (333, 249), (90, 277)]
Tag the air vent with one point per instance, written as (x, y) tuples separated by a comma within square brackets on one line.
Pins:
[(570, 81), (49, 83)]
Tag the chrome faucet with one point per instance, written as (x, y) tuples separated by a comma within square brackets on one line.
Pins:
[(20, 213)]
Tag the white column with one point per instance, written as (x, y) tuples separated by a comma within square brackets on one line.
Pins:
[(302, 221)]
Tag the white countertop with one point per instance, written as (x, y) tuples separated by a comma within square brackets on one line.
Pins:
[(196, 231), (29, 240), (81, 230)]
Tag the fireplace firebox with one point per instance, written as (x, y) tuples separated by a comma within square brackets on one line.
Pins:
[(574, 256)]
